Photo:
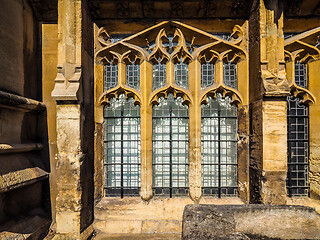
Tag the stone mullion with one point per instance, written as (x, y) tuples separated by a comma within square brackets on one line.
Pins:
[(122, 78), (218, 73), (314, 136), (195, 131), (146, 130), (290, 72)]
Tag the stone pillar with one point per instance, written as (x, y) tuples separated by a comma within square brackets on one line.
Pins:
[(268, 90), (74, 95), (195, 132), (314, 120)]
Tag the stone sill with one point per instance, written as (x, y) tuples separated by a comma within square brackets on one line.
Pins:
[(304, 201)]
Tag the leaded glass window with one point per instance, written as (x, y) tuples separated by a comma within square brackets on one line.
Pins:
[(170, 147), (219, 147), (159, 75), (122, 147), (181, 73), (298, 148), (300, 74), (133, 75), (110, 76), (207, 75), (230, 75)]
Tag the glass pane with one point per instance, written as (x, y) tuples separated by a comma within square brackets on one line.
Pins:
[(230, 75), (122, 147), (219, 147), (181, 73), (207, 75), (170, 147), (133, 76), (110, 76), (159, 76), (300, 74)]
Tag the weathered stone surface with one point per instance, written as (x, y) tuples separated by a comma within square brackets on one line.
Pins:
[(203, 222), (158, 216)]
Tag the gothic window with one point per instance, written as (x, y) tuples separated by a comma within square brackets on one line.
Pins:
[(219, 147), (230, 75), (170, 121), (122, 147), (181, 73), (133, 75), (110, 76), (167, 55), (207, 75)]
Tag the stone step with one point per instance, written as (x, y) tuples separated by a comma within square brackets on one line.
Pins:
[(20, 148), (32, 227), (20, 178)]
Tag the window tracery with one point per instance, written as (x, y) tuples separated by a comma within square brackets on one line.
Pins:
[(171, 52), (300, 50)]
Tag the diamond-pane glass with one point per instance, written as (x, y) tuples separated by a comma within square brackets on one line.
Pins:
[(207, 75), (159, 76), (300, 74), (110, 76), (298, 147), (230, 75), (122, 147), (181, 73), (219, 147), (133, 76), (170, 147)]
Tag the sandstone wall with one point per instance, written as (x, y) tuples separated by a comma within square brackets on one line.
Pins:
[(24, 157)]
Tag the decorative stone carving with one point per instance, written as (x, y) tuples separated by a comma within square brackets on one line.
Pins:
[(303, 47)]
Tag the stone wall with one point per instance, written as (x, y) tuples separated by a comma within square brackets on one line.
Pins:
[(24, 170)]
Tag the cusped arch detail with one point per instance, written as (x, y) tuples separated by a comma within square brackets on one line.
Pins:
[(105, 97), (175, 90), (225, 91)]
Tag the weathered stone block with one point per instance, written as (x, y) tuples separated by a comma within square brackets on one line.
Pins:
[(205, 222)]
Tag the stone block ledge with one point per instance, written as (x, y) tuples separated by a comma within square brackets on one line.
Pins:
[(19, 103), (24, 177), (211, 222)]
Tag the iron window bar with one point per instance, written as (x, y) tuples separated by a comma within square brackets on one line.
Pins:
[(298, 148)]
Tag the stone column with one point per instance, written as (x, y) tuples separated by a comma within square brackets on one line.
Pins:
[(195, 132), (73, 93), (268, 90), (314, 120)]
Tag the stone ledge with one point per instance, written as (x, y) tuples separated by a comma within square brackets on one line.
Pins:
[(17, 179), (205, 222), (34, 227), (19, 103), (19, 148)]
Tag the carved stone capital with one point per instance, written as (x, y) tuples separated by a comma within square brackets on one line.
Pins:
[(67, 89)]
